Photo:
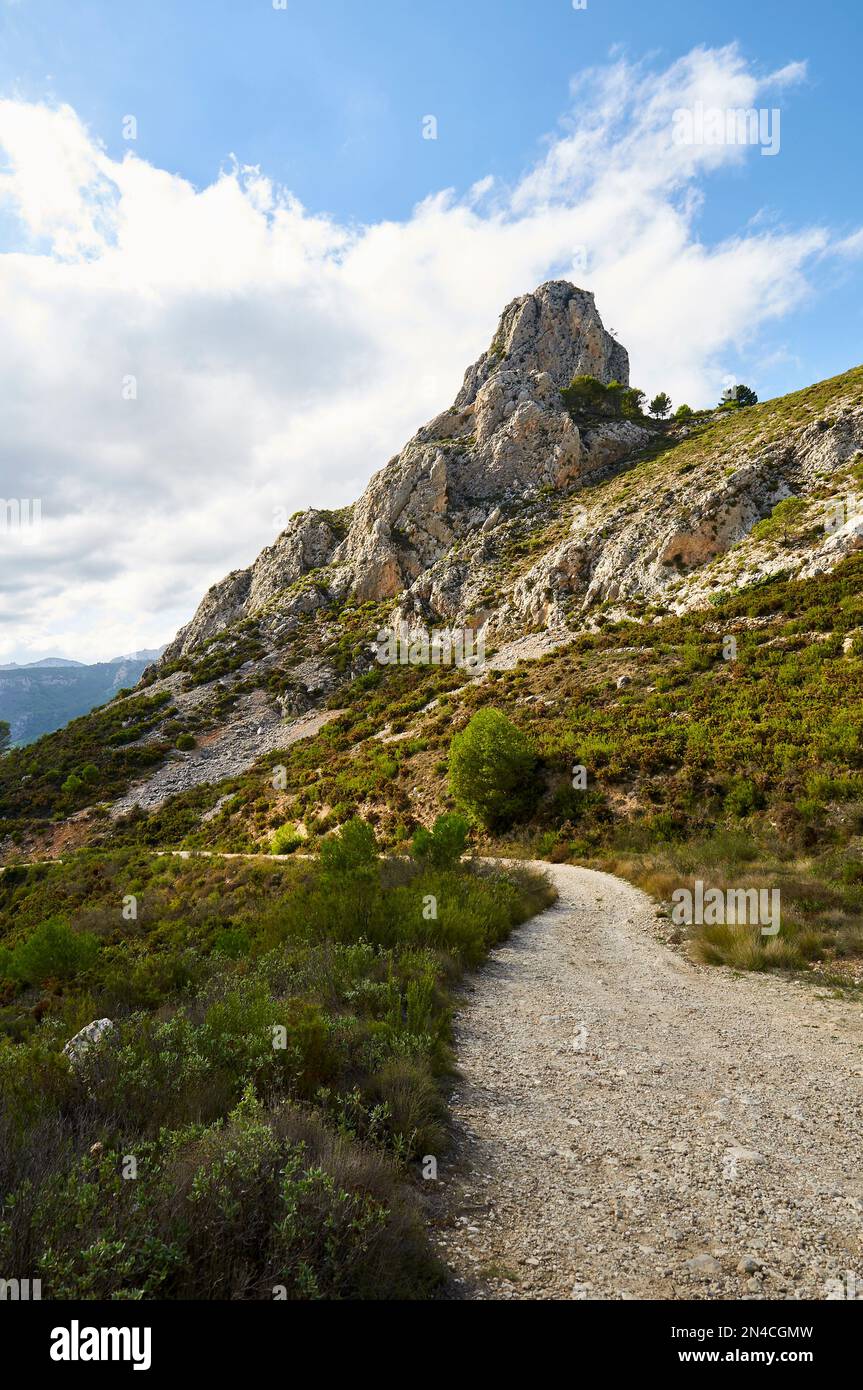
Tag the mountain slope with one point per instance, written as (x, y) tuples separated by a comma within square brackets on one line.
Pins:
[(602, 541)]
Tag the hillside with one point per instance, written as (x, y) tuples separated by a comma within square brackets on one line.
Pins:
[(674, 606), (610, 546), (672, 622)]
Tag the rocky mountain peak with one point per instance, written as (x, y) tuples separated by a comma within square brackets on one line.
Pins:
[(557, 331), (506, 436)]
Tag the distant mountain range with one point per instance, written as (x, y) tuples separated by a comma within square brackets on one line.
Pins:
[(41, 696)]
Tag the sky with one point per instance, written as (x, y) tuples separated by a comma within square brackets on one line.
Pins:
[(247, 249)]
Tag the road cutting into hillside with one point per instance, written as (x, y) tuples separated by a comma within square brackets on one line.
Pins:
[(631, 1125)]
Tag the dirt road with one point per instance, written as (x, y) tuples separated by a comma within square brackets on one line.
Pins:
[(630, 1125)]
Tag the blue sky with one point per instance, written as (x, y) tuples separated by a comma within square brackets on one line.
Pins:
[(326, 95), (744, 267)]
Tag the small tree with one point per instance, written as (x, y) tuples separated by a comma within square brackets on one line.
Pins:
[(737, 396), (352, 854), (442, 846), (492, 767), (632, 403), (53, 951), (660, 405), (586, 395), (784, 516), (589, 398), (683, 412), (5, 735)]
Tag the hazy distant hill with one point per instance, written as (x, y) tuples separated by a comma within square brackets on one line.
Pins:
[(44, 696)]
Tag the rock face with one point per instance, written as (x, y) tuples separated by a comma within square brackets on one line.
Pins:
[(680, 542), (555, 331), (307, 543), (506, 436), (505, 513), (511, 518)]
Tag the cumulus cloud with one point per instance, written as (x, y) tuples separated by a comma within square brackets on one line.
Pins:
[(178, 363)]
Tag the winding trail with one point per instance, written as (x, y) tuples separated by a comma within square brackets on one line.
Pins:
[(630, 1125)]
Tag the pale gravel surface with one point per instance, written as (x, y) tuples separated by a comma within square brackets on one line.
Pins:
[(229, 751), (710, 1117)]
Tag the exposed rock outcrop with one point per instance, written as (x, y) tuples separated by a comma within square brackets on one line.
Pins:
[(90, 1036), (555, 331), (506, 436), (307, 543), (507, 513)]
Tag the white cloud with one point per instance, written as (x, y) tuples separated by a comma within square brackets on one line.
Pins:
[(281, 357), (850, 246)]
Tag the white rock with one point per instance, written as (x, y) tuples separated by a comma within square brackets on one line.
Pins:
[(88, 1037)]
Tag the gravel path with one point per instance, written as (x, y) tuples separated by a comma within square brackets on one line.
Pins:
[(630, 1125)]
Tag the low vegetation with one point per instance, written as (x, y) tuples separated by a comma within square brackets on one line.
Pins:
[(255, 1122)]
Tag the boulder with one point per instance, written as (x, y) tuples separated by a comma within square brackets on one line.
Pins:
[(89, 1036)]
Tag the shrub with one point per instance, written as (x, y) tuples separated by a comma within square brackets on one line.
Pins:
[(352, 853), (444, 844), (186, 742), (416, 1113), (492, 770), (285, 840), (251, 993), (588, 397), (53, 952)]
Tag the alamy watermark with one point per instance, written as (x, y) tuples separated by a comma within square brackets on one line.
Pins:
[(840, 510), (837, 1290), (714, 907), (21, 516), (20, 1290), (438, 647), (727, 125)]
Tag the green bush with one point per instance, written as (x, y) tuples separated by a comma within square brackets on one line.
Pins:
[(587, 397), (268, 1203), (742, 798), (285, 840), (281, 1033), (352, 854), (53, 952), (186, 742), (444, 844), (492, 770)]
